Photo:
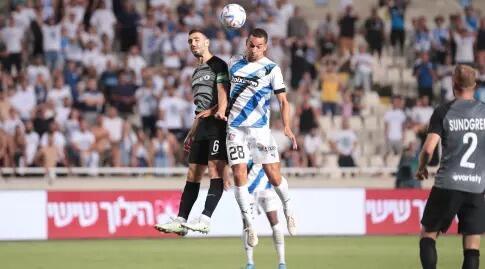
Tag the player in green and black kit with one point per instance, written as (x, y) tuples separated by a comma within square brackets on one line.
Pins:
[(206, 141)]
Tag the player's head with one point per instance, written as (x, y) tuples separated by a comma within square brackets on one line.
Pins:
[(198, 43), (256, 44), (464, 79)]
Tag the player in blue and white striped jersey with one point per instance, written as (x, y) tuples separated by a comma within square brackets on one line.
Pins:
[(264, 197), (254, 78)]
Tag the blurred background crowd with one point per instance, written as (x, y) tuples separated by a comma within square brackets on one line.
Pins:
[(108, 82)]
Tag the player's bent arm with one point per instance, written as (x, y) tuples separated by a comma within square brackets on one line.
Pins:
[(284, 109), (222, 90), (429, 146)]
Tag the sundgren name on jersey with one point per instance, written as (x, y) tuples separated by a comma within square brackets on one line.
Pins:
[(242, 80), (475, 124)]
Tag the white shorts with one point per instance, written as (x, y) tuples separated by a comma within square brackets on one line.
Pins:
[(244, 143), (266, 200)]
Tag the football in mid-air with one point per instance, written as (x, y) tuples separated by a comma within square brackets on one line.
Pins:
[(233, 16)]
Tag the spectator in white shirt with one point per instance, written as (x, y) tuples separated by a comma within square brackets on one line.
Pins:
[(311, 144), (59, 92), (13, 36), (344, 142), (136, 63), (37, 68), (24, 100), (171, 109), (83, 146), (70, 24), (104, 20), (51, 33), (362, 63), (114, 124), (465, 42), (394, 120)]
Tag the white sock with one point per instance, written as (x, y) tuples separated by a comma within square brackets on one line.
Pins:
[(248, 249), (279, 242), (282, 191), (244, 201)]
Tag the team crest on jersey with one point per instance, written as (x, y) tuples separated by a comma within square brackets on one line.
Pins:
[(261, 73), (231, 136)]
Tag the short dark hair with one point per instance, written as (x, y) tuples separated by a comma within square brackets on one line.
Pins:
[(196, 30), (258, 32)]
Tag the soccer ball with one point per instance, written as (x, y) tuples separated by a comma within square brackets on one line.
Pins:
[(233, 16)]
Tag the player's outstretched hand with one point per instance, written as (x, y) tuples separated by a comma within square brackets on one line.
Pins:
[(422, 173), (292, 137)]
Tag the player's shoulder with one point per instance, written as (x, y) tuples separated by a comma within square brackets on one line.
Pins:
[(215, 62)]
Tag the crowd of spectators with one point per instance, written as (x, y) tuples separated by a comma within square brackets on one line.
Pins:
[(107, 82)]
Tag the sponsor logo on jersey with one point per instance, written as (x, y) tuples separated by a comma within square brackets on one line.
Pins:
[(247, 81), (468, 178), (202, 78)]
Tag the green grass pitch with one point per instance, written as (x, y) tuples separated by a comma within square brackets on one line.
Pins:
[(370, 252)]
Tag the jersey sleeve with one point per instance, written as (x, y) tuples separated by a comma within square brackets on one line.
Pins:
[(436, 121), (221, 70), (277, 81)]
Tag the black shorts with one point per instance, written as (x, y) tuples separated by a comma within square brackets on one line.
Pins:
[(203, 151), (443, 205)]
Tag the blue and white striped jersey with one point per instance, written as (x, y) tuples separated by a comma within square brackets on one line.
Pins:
[(251, 86), (257, 179)]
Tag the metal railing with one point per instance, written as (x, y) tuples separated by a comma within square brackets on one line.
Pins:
[(182, 171)]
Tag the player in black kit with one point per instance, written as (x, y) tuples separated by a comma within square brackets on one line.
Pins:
[(206, 140), (460, 180)]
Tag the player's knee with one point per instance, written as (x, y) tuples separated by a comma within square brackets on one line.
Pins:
[(216, 169)]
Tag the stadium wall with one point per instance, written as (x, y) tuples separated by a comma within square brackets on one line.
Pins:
[(42, 215)]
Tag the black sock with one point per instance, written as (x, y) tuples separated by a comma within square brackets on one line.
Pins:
[(213, 196), (471, 259), (427, 253), (189, 196)]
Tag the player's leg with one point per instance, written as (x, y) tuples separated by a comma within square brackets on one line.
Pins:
[(280, 185), (247, 248), (427, 249), (440, 210), (270, 204), (197, 168), (471, 251), (471, 224), (217, 164), (238, 157)]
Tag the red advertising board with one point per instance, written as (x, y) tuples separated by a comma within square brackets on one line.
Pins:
[(396, 211), (109, 214)]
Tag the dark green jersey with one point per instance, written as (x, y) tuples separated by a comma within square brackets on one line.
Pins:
[(204, 82)]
